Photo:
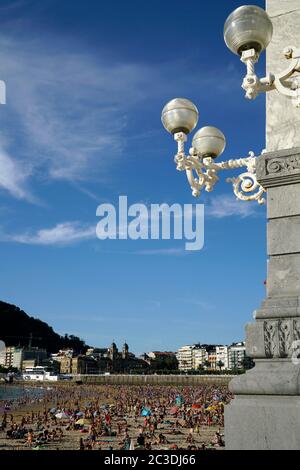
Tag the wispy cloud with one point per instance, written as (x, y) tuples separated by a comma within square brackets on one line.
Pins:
[(155, 303), (147, 252), (227, 206), (66, 112), (13, 5), (162, 252), (71, 108), (68, 109), (62, 234), (13, 176), (196, 302)]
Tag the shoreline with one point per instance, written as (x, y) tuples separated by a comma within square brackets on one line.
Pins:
[(123, 406)]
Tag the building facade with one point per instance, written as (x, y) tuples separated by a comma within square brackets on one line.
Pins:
[(191, 357), (14, 356), (222, 357), (185, 358), (237, 356), (199, 357)]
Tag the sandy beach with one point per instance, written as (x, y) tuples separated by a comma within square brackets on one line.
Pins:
[(87, 417)]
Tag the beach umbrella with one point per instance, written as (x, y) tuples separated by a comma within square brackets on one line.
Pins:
[(80, 413), (196, 406), (61, 415), (146, 412), (174, 410), (179, 400), (83, 421), (53, 410), (210, 408)]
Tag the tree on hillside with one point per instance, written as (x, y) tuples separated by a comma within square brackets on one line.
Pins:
[(19, 329)]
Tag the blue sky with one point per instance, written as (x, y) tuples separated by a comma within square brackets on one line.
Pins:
[(86, 82)]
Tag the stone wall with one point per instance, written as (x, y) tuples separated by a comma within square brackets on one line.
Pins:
[(154, 379), (283, 120)]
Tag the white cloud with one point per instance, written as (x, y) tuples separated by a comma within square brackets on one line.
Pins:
[(227, 206), (150, 252), (196, 302), (66, 112), (62, 234), (162, 251), (71, 108), (13, 176), (12, 5), (155, 303), (68, 108)]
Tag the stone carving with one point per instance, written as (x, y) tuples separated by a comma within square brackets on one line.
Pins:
[(296, 330), (283, 165), (270, 338), (279, 336), (284, 337), (278, 168)]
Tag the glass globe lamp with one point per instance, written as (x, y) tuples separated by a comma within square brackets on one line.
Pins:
[(248, 27), (180, 115), (209, 142)]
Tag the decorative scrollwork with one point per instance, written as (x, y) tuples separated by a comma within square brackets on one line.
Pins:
[(296, 330), (285, 337), (202, 173), (275, 166), (270, 338), (286, 83), (244, 185), (278, 165), (279, 336), (293, 163)]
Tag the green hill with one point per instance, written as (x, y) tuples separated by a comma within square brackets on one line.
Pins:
[(18, 328)]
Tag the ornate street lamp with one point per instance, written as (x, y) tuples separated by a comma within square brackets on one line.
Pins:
[(180, 117), (247, 32)]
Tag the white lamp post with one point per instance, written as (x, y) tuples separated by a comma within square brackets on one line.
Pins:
[(265, 413), (180, 117), (247, 32)]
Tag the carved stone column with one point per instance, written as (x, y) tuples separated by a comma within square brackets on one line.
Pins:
[(265, 413)]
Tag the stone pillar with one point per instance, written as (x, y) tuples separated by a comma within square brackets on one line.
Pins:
[(265, 413), (283, 120)]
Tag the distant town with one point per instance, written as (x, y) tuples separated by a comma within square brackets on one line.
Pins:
[(35, 352), (36, 363)]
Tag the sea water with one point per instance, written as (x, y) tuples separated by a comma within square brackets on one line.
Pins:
[(14, 392)]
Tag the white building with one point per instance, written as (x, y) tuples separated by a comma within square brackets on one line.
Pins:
[(2, 358), (236, 355), (185, 358), (11, 357), (62, 353), (39, 374), (200, 356), (222, 357), (191, 357)]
